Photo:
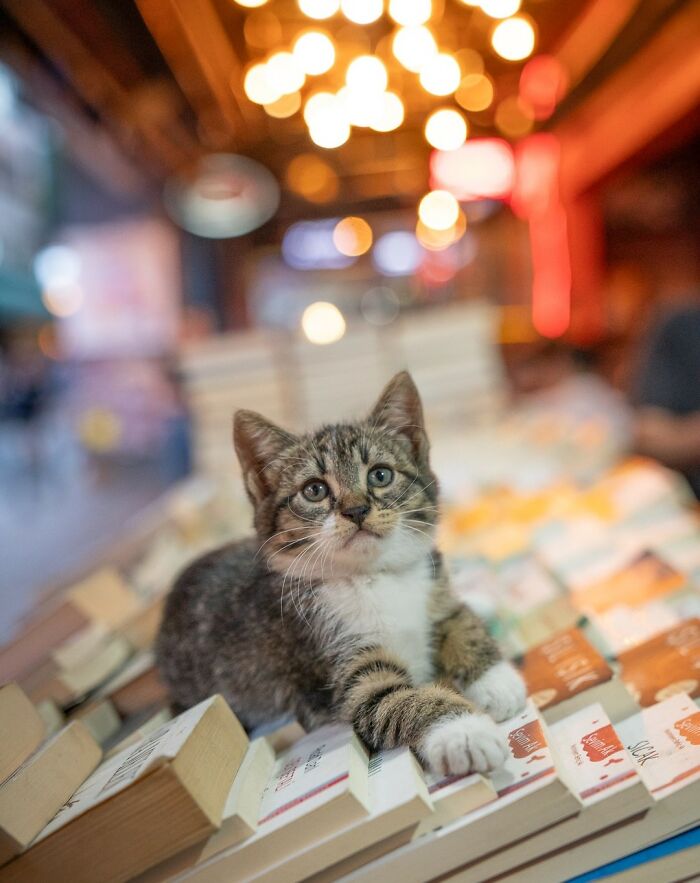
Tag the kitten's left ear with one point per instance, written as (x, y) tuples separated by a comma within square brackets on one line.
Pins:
[(399, 409)]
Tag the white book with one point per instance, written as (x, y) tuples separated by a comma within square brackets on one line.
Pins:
[(594, 763), (319, 786), (454, 797), (531, 796), (664, 744)]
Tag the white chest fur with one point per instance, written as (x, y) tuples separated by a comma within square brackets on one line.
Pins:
[(390, 609)]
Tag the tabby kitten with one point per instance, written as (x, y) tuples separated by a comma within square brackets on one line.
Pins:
[(340, 609)]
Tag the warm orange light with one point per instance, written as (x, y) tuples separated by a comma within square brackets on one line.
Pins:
[(543, 82), (312, 178), (470, 62), (439, 240), (360, 106), (475, 92), (514, 38), (284, 73), (262, 29), (251, 4), (413, 47), (327, 121), (285, 106), (315, 52), (410, 12), (388, 114), (352, 236), (446, 129), (323, 323), (63, 300), (319, 8), (480, 169), (258, 85), (366, 72), (362, 12), (438, 210), (440, 75), (317, 106), (513, 117), (500, 8)]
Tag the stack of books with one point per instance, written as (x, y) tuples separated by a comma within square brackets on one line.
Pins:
[(593, 590)]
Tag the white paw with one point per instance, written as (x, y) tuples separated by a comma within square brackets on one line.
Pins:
[(470, 742), (500, 691)]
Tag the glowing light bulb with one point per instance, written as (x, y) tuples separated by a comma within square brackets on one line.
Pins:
[(475, 92), (312, 178), (362, 12), (410, 12), (323, 323), (389, 114), (251, 4), (317, 106), (446, 129), (514, 38), (285, 106), (500, 8), (319, 9), (367, 73), (413, 47), (258, 85), (438, 210), (361, 107), (328, 124), (440, 75), (285, 73), (352, 236), (314, 52)]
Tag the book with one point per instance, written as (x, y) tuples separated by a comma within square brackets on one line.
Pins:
[(135, 730), (318, 788), (103, 597), (100, 717), (599, 771), (137, 687), (531, 796), (453, 797), (398, 800), (666, 664), (67, 686), (240, 815), (540, 624), (35, 792), (141, 629), (52, 715), (567, 673), (664, 744), (143, 805), (22, 729), (647, 578)]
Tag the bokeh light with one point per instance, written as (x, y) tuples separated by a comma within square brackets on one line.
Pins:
[(438, 210), (360, 107), (500, 8), (413, 47), (475, 92), (284, 73), (410, 12), (262, 29), (352, 236), (388, 114), (63, 300), (440, 75), (319, 9), (446, 129), (513, 117), (543, 83), (285, 106), (331, 132), (251, 4), (380, 305), (308, 245), (367, 72), (483, 168), (258, 85), (438, 240), (362, 12), (514, 38), (323, 323), (311, 177), (314, 52), (397, 253), (56, 266), (317, 106)]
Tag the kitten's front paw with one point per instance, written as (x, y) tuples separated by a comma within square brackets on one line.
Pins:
[(500, 691), (470, 742)]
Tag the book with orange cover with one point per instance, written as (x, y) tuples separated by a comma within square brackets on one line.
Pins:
[(567, 672), (666, 664), (646, 578)]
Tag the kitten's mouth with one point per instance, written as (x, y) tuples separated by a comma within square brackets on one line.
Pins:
[(363, 535)]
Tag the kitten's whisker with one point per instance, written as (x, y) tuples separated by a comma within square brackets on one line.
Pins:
[(278, 534)]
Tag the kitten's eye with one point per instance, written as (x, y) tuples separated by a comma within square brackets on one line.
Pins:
[(315, 491), (380, 476)]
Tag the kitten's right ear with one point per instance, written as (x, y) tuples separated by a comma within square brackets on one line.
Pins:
[(257, 442)]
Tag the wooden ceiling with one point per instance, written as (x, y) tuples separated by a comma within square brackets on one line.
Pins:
[(152, 85)]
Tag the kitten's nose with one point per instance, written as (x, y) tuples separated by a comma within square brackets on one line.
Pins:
[(356, 514)]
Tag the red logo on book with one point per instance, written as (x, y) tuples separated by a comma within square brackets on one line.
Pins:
[(689, 728), (527, 739), (601, 743)]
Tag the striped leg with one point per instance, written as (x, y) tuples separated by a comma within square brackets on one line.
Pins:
[(376, 696)]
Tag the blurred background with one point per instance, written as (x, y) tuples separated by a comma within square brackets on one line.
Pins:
[(276, 204)]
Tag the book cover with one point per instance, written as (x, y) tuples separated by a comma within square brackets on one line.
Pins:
[(562, 667), (666, 664)]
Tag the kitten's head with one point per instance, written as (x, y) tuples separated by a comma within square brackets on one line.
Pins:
[(350, 498)]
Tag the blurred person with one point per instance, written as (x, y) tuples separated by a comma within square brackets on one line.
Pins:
[(667, 394)]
